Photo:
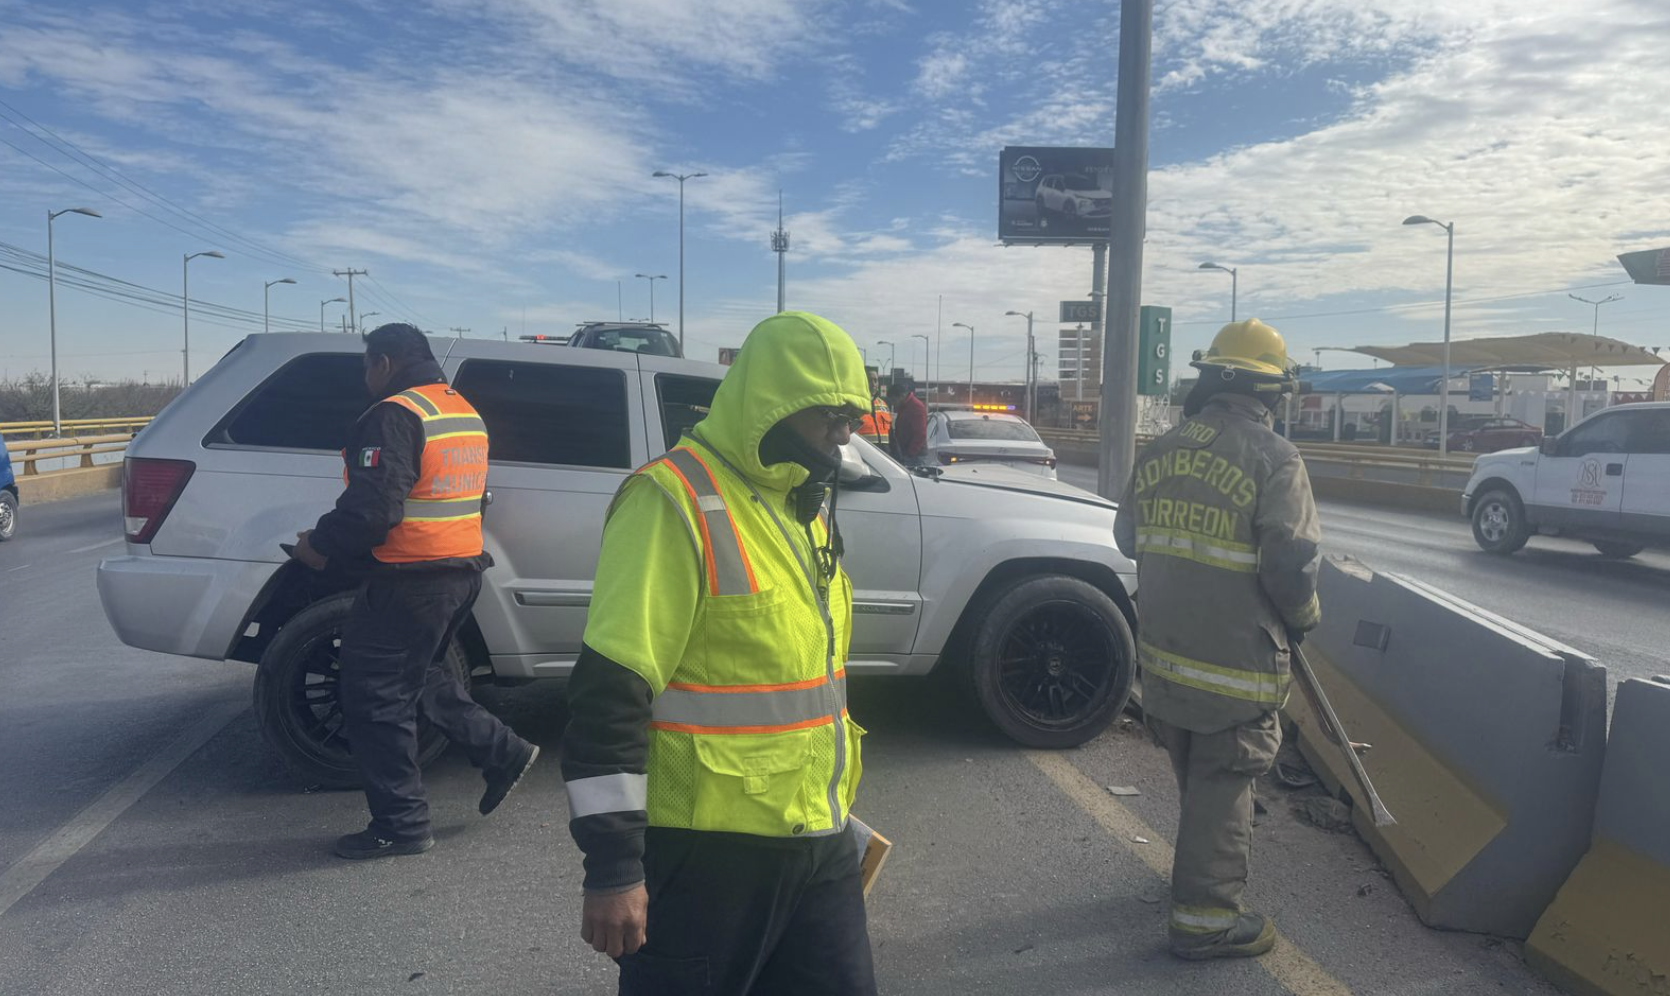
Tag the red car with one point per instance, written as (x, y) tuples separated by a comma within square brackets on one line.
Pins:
[(1495, 434)]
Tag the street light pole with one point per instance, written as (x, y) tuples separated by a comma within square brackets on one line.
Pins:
[(185, 310), (680, 178), (965, 325), (1449, 286), (1571, 404), (923, 336), (266, 304), (891, 354), (52, 306), (1031, 366), (364, 315), (1234, 282), (322, 304), (652, 280)]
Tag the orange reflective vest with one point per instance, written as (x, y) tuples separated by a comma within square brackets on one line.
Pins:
[(877, 426), (442, 515)]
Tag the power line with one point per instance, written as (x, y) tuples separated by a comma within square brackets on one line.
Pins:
[(67, 148), (1458, 303)]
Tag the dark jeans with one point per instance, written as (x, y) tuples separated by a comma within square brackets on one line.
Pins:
[(393, 645), (732, 915)]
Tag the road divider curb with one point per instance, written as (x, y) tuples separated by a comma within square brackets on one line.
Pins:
[(1487, 741), (37, 489), (1607, 933)]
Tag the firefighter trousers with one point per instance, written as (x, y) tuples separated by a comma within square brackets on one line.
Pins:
[(393, 657), (736, 915), (1215, 774)]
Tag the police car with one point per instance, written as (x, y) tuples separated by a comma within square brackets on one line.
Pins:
[(1606, 481)]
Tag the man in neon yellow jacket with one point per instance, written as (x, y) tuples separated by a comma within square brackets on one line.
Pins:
[(710, 762)]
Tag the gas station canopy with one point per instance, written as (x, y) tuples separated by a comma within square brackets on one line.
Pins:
[(1542, 351)]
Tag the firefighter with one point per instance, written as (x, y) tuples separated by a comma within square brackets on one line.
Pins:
[(1221, 522), (710, 763), (877, 424), (409, 525)]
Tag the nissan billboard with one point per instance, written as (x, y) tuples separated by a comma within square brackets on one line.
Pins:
[(1054, 195)]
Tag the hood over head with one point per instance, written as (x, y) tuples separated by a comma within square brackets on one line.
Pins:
[(791, 361)]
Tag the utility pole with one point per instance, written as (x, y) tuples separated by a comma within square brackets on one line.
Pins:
[(1118, 416), (1099, 296), (506, 331), (458, 331), (780, 246), (350, 273)]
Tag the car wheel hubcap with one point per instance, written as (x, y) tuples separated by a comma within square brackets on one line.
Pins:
[(1056, 666), (1494, 523)]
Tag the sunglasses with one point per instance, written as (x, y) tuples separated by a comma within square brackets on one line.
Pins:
[(840, 416)]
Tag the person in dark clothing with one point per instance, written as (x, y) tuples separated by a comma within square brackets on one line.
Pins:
[(409, 526), (910, 422)]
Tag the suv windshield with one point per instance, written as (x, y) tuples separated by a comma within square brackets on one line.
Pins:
[(991, 428)]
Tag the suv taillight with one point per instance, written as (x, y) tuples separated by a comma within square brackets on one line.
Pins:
[(149, 490)]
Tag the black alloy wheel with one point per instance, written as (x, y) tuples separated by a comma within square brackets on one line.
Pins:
[(1053, 661), (8, 515), (296, 696)]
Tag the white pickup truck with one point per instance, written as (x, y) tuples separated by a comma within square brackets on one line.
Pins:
[(1606, 480)]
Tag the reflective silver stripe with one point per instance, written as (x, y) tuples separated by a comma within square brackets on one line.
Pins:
[(1264, 687), (430, 508), (447, 425), (1202, 920), (723, 542), (769, 708), (622, 793), (423, 403)]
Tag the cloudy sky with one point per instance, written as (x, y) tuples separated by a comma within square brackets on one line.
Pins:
[(489, 161)]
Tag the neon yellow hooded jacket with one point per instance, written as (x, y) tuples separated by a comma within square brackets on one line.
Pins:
[(742, 655)]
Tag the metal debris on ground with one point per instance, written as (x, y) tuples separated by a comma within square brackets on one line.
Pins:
[(1124, 790)]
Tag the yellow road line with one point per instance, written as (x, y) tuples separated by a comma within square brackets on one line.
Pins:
[(1296, 971)]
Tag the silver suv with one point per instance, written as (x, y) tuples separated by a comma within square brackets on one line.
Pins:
[(1011, 580)]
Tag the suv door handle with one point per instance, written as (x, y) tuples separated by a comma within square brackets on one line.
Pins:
[(1614, 470)]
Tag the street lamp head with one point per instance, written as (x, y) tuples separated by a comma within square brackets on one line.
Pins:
[(884, 342), (334, 300), (1210, 266), (1015, 313), (962, 325), (89, 212), (1420, 219), (211, 253), (284, 280), (692, 176), (661, 172)]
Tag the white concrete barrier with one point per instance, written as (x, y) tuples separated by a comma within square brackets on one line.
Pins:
[(1487, 745), (1607, 933)]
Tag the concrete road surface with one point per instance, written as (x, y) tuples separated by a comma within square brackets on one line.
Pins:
[(1611, 609), (151, 844)]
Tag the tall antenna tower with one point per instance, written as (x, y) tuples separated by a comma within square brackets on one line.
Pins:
[(780, 246)]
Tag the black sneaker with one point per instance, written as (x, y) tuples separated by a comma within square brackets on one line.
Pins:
[(369, 843), (499, 783)]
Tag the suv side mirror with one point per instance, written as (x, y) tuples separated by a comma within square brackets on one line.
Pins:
[(1550, 446)]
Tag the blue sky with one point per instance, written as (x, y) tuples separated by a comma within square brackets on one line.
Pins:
[(489, 161)]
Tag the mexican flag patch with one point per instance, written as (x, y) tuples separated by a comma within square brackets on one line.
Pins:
[(370, 456)]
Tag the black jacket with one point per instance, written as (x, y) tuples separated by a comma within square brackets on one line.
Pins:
[(389, 437)]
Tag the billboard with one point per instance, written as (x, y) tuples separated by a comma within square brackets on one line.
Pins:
[(1073, 312), (1651, 266), (1053, 195)]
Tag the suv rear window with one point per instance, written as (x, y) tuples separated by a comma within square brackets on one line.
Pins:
[(550, 413), (310, 403)]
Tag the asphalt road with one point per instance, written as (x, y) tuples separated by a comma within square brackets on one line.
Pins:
[(151, 844), (1613, 610)]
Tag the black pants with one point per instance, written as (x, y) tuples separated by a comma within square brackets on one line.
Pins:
[(393, 645), (733, 915)]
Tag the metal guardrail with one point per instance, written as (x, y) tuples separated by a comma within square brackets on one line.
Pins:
[(1428, 466), (77, 427), (30, 452)]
